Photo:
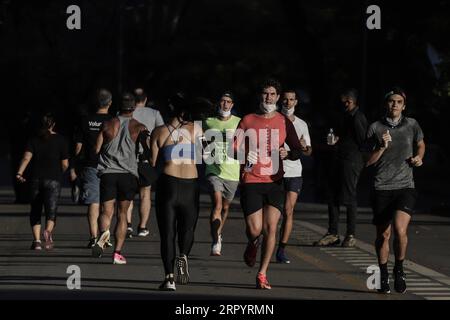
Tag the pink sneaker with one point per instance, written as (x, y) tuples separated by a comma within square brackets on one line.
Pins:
[(119, 259), (48, 240), (261, 282)]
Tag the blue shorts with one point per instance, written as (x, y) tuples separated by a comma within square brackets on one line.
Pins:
[(293, 184), (90, 186)]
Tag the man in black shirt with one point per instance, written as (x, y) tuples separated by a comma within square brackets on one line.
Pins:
[(347, 165), (85, 139)]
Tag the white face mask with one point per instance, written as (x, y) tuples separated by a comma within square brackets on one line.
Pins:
[(223, 113), (287, 112), (267, 108)]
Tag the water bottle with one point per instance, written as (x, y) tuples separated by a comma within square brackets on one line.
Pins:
[(248, 166), (330, 137)]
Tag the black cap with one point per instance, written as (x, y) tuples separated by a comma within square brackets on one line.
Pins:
[(227, 94)]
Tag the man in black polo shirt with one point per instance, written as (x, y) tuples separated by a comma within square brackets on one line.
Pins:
[(85, 139), (398, 147)]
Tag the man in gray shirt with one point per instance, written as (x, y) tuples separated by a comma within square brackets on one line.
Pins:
[(398, 146), (118, 171)]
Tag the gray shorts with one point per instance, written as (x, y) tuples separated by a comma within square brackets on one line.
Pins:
[(227, 187), (90, 186)]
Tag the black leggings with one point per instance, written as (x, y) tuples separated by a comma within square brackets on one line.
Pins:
[(177, 208), (44, 193)]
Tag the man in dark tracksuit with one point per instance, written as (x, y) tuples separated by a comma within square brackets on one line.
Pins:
[(347, 165)]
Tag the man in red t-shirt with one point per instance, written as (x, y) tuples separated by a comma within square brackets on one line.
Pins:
[(260, 137)]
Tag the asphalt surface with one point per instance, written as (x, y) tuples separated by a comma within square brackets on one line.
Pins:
[(332, 273)]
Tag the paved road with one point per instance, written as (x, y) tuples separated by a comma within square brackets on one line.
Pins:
[(315, 273)]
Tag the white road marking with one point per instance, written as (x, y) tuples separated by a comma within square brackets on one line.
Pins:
[(430, 284), (428, 289), (433, 294), (417, 268)]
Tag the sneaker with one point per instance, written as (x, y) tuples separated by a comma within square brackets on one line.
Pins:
[(143, 232), (384, 284), (97, 249), (168, 284), (108, 244), (349, 241), (92, 242), (119, 259), (129, 232), (36, 245), (216, 248), (399, 281), (182, 269), (328, 240), (48, 240), (251, 251), (261, 282), (281, 256)]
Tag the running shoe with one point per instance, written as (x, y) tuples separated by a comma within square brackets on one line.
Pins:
[(143, 232), (168, 284), (97, 249), (399, 281), (48, 240), (328, 240), (182, 269), (216, 248), (349, 241), (251, 251), (92, 242), (129, 232), (119, 259), (108, 244), (384, 284), (281, 256), (261, 282), (36, 245)]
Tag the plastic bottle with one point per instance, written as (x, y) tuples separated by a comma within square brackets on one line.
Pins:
[(330, 137)]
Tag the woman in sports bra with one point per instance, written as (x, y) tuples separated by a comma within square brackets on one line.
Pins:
[(177, 190)]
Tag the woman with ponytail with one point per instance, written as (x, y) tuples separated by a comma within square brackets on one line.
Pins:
[(49, 152), (177, 190)]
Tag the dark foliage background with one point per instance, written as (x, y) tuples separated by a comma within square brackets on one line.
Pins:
[(317, 47)]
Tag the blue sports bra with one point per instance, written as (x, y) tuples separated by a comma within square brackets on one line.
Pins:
[(178, 150)]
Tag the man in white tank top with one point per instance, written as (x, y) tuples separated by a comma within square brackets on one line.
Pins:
[(292, 172)]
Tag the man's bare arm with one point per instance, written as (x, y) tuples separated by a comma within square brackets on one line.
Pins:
[(99, 142)]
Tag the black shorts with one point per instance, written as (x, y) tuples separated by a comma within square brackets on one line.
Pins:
[(293, 184), (387, 202), (147, 174), (254, 196), (119, 186)]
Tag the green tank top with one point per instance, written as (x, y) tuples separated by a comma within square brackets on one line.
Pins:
[(224, 167)]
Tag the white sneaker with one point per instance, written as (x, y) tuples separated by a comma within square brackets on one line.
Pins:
[(168, 284), (97, 249), (129, 232), (143, 232), (216, 249)]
